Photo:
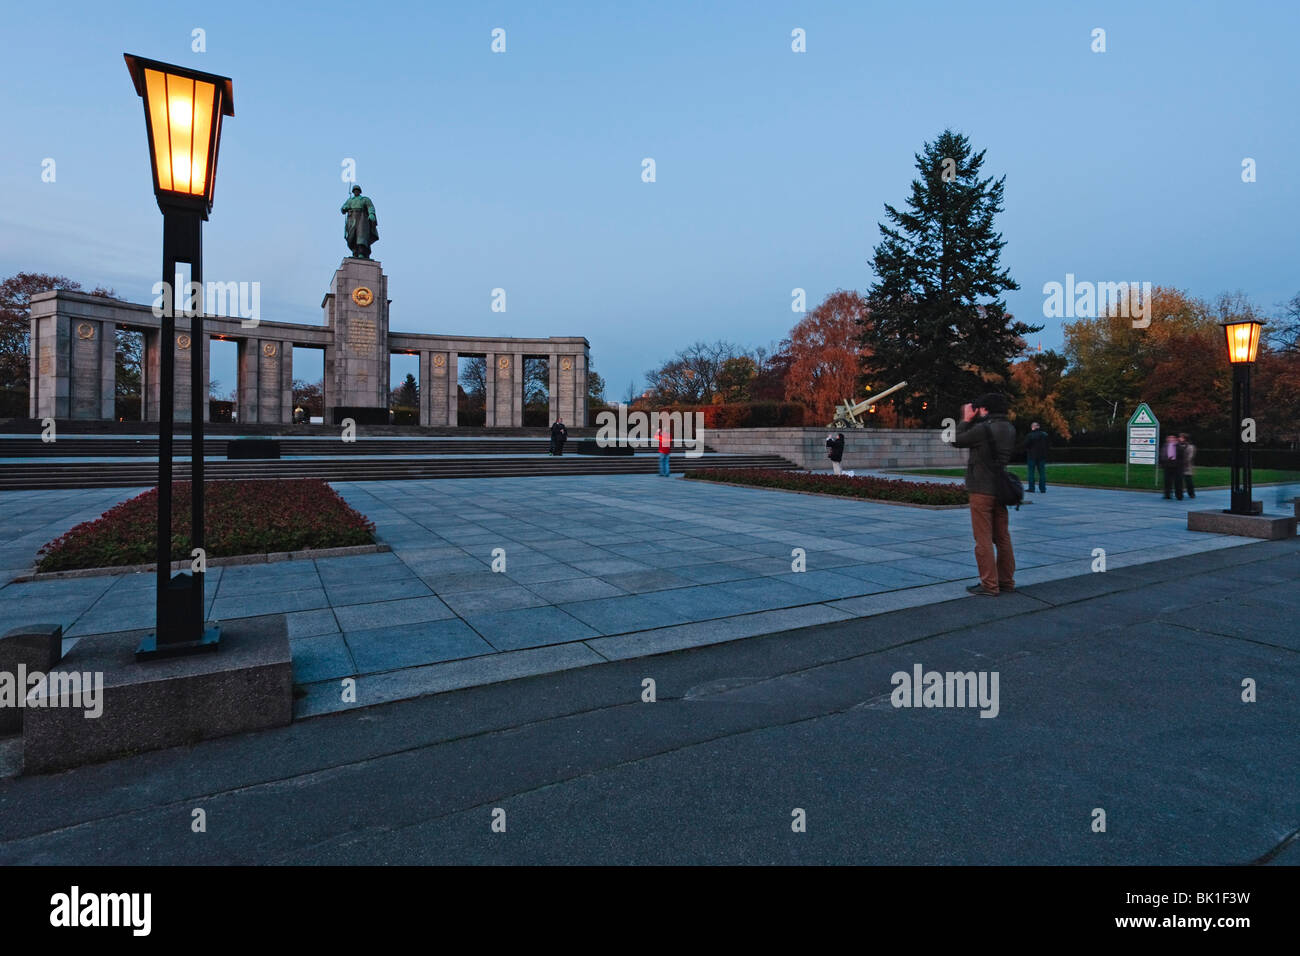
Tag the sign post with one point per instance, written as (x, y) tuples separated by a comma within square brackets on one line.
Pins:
[(1143, 441)]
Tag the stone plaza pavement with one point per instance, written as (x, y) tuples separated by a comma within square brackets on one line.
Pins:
[(596, 568)]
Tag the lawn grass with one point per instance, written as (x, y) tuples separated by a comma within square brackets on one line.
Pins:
[(241, 517), (1140, 477)]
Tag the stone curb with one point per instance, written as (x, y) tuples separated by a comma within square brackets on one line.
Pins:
[(229, 561)]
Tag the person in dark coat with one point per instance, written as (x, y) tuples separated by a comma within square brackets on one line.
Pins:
[(1036, 458), (835, 451), (1189, 464), (1171, 461), (559, 435), (991, 438)]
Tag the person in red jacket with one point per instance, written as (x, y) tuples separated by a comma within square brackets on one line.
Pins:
[(665, 439)]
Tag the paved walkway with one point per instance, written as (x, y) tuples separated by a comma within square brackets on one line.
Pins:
[(596, 568), (1120, 691)]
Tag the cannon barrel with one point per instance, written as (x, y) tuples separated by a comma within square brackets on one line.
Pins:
[(846, 414), (875, 399)]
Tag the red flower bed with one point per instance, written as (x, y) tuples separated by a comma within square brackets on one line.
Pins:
[(871, 488), (241, 517)]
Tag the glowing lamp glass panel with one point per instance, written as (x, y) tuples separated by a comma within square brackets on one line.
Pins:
[(181, 121), (155, 85), (1243, 342)]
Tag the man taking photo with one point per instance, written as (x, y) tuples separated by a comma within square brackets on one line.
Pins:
[(991, 438)]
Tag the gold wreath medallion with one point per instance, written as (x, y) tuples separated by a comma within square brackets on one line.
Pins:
[(85, 331), (269, 350), (182, 341), (362, 296)]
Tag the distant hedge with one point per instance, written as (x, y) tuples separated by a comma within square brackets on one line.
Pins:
[(13, 403), (1280, 458), (746, 414), (865, 486)]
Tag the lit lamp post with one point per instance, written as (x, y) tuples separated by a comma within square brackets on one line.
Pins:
[(182, 114), (1243, 347)]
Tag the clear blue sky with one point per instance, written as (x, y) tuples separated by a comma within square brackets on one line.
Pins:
[(523, 170)]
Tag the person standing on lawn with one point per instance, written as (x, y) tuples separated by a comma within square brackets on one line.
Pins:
[(1189, 466), (664, 437), (559, 435), (835, 451), (1171, 460), (991, 438), (1036, 458)]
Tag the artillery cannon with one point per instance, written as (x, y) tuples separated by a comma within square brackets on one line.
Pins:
[(846, 415)]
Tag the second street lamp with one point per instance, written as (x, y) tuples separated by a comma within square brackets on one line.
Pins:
[(1243, 348), (183, 110)]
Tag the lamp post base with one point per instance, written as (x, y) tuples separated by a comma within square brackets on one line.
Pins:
[(1268, 527), (152, 649)]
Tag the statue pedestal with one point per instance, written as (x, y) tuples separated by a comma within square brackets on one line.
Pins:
[(356, 310)]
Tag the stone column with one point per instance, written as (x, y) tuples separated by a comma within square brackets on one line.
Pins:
[(564, 390), (86, 373), (108, 371), (249, 386), (146, 376), (507, 384), (206, 367), (183, 349), (438, 392), (327, 379), (51, 353), (517, 390), (425, 378), (490, 390), (580, 362), (269, 387), (73, 369), (453, 388), (552, 390), (151, 397), (286, 383), (33, 366)]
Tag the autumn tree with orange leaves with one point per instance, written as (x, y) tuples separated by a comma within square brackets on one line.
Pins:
[(1177, 364), (823, 355), (1037, 381)]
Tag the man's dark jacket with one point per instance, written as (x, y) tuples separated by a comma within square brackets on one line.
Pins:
[(1036, 446), (991, 440), (559, 433), (836, 445)]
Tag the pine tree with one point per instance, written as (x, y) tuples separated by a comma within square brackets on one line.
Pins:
[(937, 319), (407, 395)]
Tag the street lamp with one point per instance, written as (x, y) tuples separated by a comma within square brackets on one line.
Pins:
[(182, 115), (1243, 347)]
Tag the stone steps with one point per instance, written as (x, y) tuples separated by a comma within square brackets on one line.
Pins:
[(214, 448), (181, 429), (16, 476)]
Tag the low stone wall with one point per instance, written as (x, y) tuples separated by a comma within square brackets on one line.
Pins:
[(863, 447)]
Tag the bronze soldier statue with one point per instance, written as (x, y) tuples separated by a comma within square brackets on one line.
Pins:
[(362, 229)]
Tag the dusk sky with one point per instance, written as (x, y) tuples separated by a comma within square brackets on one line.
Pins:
[(523, 170)]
